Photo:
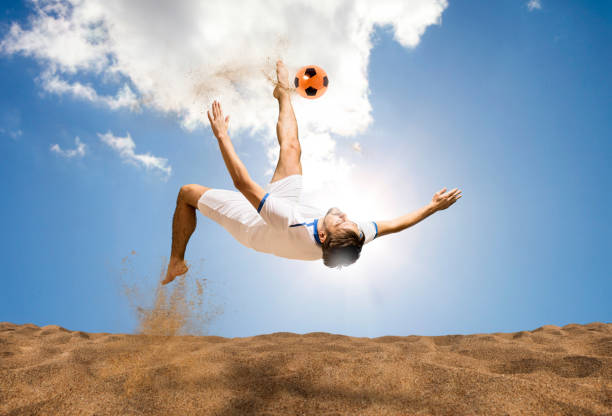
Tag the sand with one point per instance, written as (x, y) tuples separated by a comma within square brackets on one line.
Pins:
[(550, 370)]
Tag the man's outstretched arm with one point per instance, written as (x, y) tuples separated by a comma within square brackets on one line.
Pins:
[(439, 202), (240, 176)]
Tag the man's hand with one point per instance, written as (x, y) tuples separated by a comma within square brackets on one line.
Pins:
[(443, 200), (217, 122)]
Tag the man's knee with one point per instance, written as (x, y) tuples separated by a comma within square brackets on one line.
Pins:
[(291, 150), (190, 194)]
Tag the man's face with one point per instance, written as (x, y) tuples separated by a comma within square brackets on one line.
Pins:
[(335, 220)]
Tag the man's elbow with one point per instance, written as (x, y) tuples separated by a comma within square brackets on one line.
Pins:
[(241, 183)]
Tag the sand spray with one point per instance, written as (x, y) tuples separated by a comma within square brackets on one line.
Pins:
[(166, 314), (182, 307)]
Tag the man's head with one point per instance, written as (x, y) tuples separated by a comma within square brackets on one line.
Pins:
[(340, 239)]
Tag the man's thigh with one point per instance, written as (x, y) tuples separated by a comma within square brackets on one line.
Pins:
[(288, 162)]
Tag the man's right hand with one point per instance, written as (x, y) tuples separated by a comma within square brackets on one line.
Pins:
[(443, 200), (218, 124)]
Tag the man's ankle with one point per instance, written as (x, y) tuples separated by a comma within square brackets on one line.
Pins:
[(282, 94)]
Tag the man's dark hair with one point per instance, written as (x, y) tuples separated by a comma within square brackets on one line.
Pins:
[(342, 248)]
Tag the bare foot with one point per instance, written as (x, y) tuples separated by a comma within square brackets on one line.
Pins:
[(176, 267), (282, 76)]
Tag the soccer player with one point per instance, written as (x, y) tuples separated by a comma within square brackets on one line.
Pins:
[(274, 219)]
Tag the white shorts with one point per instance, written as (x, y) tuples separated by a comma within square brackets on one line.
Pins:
[(234, 212)]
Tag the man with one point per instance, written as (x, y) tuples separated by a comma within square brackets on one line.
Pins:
[(275, 220)]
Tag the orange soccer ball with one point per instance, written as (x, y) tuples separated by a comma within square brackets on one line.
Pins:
[(311, 81)]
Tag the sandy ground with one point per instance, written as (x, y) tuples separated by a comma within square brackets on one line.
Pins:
[(550, 370)]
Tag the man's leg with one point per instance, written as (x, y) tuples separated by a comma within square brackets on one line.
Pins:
[(183, 225), (286, 129)]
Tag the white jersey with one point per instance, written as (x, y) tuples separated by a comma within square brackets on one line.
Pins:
[(282, 225)]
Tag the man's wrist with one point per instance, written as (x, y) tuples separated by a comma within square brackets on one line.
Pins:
[(223, 136), (431, 207)]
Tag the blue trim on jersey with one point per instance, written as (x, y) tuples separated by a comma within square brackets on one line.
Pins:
[(375, 226), (316, 231), (262, 202), (302, 223)]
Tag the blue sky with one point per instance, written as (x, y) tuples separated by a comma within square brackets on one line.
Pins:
[(510, 105)]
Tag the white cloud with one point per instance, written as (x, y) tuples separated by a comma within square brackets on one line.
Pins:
[(125, 147), (124, 98), (534, 5), (13, 134), (70, 153), (10, 120), (178, 56)]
